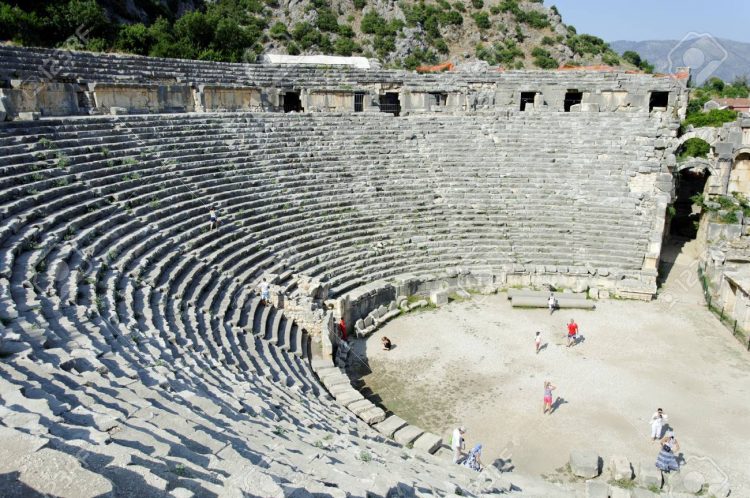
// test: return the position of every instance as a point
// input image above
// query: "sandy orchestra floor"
(473, 363)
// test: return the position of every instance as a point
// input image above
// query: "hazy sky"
(639, 20)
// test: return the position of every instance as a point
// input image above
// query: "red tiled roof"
(733, 102)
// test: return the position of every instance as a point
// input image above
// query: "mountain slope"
(726, 59)
(405, 33)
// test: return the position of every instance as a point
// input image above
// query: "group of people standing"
(666, 461)
(472, 459)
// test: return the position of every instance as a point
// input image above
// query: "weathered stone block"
(620, 468)
(390, 425)
(616, 492)
(648, 475)
(373, 416)
(29, 116)
(407, 434)
(597, 489)
(584, 463)
(428, 442)
(439, 298)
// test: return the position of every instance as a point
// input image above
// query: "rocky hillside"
(407, 33)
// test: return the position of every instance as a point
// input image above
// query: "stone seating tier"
(39, 64)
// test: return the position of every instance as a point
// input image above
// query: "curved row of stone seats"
(208, 431)
(38, 64)
(227, 178)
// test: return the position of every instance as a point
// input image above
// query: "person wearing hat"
(458, 445)
(474, 459)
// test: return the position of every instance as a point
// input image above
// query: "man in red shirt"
(572, 331)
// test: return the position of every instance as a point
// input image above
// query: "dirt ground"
(473, 363)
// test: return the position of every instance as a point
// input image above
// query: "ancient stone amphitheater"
(137, 357)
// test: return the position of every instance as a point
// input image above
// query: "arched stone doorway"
(685, 214)
(739, 177)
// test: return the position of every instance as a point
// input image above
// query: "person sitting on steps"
(386, 343)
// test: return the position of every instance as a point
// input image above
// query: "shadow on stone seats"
(13, 488)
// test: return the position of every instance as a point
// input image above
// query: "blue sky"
(639, 20)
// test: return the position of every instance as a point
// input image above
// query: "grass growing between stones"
(654, 489)
(622, 483)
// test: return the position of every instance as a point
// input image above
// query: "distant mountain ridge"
(707, 56)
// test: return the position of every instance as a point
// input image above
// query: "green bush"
(360, 4)
(485, 54)
(506, 55)
(587, 44)
(694, 147)
(533, 18)
(134, 38)
(345, 46)
(451, 17)
(477, 4)
(543, 59)
(611, 59)
(346, 31)
(482, 20)
(459, 6)
(548, 40)
(292, 48)
(510, 6)
(373, 23)
(419, 57)
(278, 31)
(327, 20)
(713, 118)
(441, 46)
(635, 59)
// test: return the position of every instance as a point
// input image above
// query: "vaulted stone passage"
(686, 214)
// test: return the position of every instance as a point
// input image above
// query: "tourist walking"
(572, 332)
(548, 388)
(265, 292)
(658, 419)
(474, 459)
(458, 444)
(538, 342)
(552, 303)
(667, 461)
(342, 329)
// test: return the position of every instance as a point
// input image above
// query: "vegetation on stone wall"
(723, 208)
(714, 118)
(694, 147)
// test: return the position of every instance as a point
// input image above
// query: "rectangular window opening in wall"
(527, 99)
(389, 102)
(359, 101)
(572, 97)
(292, 102)
(438, 99)
(658, 100)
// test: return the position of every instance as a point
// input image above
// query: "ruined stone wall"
(142, 84)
